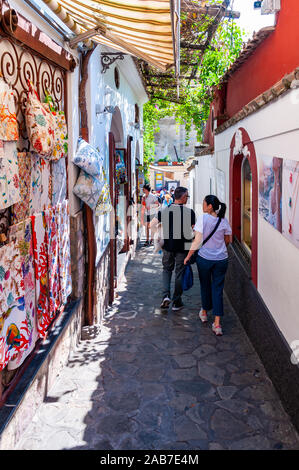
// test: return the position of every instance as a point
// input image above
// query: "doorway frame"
(242, 146)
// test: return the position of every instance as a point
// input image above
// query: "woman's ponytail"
(222, 210)
(219, 207)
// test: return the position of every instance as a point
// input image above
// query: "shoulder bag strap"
(212, 233)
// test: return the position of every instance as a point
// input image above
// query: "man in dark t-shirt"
(177, 223)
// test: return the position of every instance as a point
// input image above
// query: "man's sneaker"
(217, 330)
(177, 305)
(165, 302)
(203, 316)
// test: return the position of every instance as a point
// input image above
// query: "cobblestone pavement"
(153, 380)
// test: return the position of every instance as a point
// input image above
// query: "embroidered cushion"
(88, 158)
(40, 124)
(88, 189)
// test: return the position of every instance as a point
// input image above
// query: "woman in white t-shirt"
(212, 259)
(149, 207)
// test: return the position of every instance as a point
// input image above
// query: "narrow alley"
(154, 380)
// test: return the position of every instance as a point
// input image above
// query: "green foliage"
(198, 94)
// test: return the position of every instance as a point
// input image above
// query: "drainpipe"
(91, 242)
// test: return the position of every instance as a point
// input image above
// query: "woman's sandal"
(217, 330)
(203, 316)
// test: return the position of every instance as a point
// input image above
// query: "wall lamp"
(102, 109)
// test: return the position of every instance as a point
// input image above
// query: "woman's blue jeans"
(211, 276)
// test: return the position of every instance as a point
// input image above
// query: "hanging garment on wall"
(88, 158)
(88, 189)
(53, 263)
(46, 184)
(58, 171)
(5, 221)
(11, 276)
(9, 175)
(60, 131)
(8, 120)
(41, 184)
(61, 138)
(14, 331)
(40, 253)
(104, 205)
(63, 224)
(120, 167)
(21, 234)
(21, 210)
(40, 124)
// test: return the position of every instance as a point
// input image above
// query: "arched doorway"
(246, 206)
(117, 194)
(244, 197)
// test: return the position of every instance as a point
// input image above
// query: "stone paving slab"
(161, 380)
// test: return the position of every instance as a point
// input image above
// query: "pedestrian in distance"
(167, 200)
(149, 207)
(177, 222)
(214, 231)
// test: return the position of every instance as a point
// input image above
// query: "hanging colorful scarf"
(8, 120)
(53, 264)
(9, 175)
(40, 252)
(104, 205)
(21, 234)
(120, 167)
(63, 224)
(5, 221)
(21, 210)
(60, 130)
(58, 170)
(41, 184)
(14, 331)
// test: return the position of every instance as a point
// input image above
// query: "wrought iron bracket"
(108, 58)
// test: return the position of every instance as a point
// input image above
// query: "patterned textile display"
(61, 137)
(88, 189)
(63, 224)
(40, 253)
(60, 132)
(40, 124)
(53, 263)
(88, 158)
(21, 210)
(14, 331)
(21, 234)
(9, 175)
(120, 167)
(41, 184)
(104, 205)
(5, 220)
(58, 170)
(8, 120)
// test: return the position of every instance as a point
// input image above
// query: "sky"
(251, 20)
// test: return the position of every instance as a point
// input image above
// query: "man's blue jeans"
(211, 276)
(173, 260)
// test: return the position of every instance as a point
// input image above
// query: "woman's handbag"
(158, 239)
(187, 279)
(192, 260)
(40, 124)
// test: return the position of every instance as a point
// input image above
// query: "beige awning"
(147, 29)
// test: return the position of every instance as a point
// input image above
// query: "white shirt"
(215, 248)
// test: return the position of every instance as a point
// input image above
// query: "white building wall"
(101, 90)
(274, 131)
